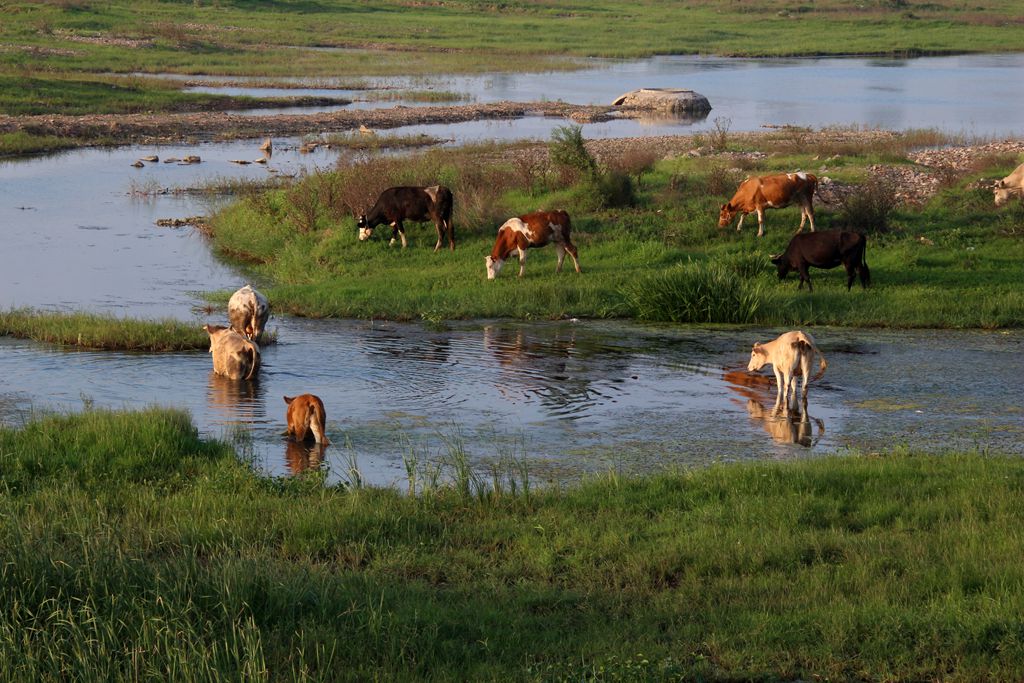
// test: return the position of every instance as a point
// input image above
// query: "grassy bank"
(40, 39)
(135, 549)
(648, 241)
(22, 95)
(106, 332)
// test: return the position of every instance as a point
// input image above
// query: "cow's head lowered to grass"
(363, 229)
(493, 266)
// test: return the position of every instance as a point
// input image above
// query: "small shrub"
(696, 293)
(720, 180)
(568, 150)
(719, 137)
(635, 162)
(869, 207)
(616, 190)
(531, 172)
(303, 202)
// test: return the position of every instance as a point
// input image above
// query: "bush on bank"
(133, 548)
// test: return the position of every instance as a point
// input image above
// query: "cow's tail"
(865, 273)
(254, 352)
(806, 345)
(812, 182)
(318, 422)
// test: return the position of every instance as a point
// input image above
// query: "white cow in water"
(790, 355)
(1010, 186)
(234, 356)
(248, 312)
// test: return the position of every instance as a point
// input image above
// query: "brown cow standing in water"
(530, 231)
(758, 193)
(234, 356)
(306, 415)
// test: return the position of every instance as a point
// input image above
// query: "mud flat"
(136, 128)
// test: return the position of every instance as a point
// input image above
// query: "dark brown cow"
(530, 230)
(825, 250)
(758, 193)
(397, 204)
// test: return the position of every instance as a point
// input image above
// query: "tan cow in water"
(790, 356)
(529, 231)
(1010, 186)
(234, 356)
(757, 193)
(248, 312)
(306, 415)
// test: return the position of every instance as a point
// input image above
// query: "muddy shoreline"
(164, 128)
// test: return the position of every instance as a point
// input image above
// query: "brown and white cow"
(234, 356)
(248, 311)
(1010, 186)
(790, 356)
(529, 231)
(306, 415)
(757, 193)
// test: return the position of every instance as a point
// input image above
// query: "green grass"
(304, 241)
(394, 37)
(25, 95)
(106, 332)
(21, 143)
(135, 549)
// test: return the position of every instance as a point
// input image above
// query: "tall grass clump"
(106, 332)
(697, 292)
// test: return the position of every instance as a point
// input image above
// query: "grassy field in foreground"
(135, 550)
(394, 37)
(648, 241)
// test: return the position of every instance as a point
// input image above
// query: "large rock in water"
(673, 100)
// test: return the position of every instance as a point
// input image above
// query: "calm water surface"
(566, 398)
(973, 94)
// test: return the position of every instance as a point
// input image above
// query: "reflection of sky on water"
(974, 94)
(569, 397)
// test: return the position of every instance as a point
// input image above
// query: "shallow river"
(972, 94)
(78, 233)
(565, 398)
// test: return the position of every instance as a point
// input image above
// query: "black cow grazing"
(825, 250)
(397, 204)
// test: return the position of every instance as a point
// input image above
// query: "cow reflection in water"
(236, 401)
(786, 424)
(301, 456)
